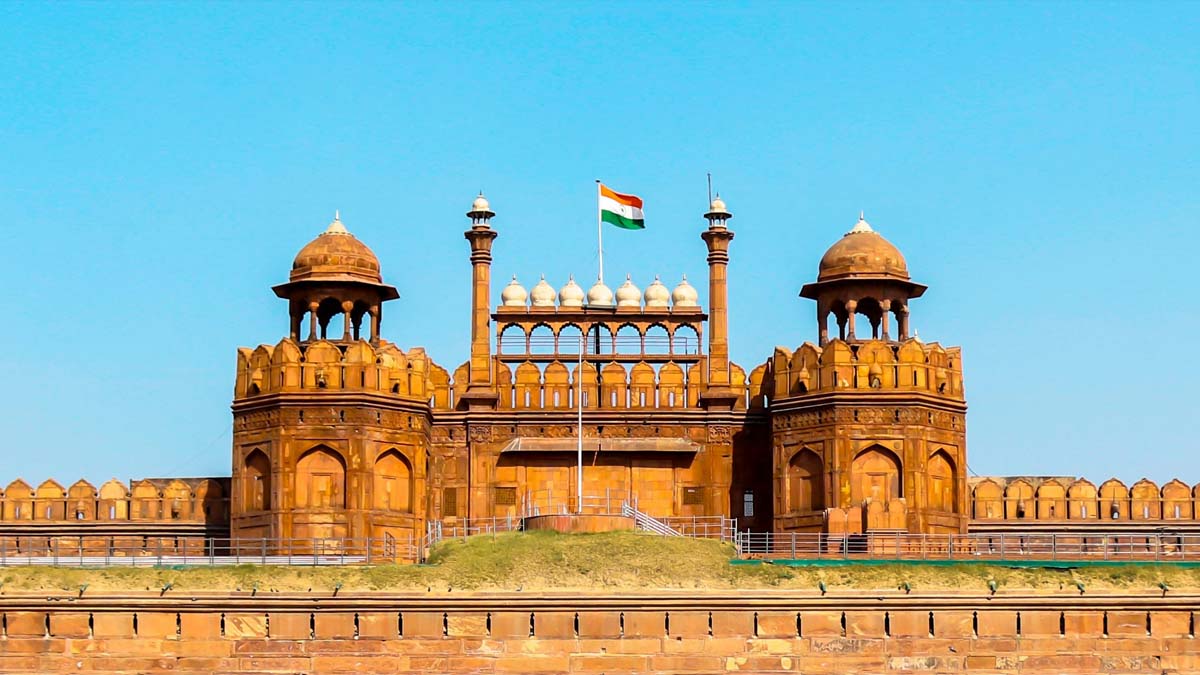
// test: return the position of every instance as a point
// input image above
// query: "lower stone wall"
(421, 638)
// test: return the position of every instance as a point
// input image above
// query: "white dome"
(600, 295)
(542, 294)
(629, 295)
(657, 294)
(480, 203)
(684, 295)
(571, 295)
(514, 294)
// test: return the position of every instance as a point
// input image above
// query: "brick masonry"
(978, 635)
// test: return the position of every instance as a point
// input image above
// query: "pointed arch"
(805, 482)
(1018, 500)
(81, 501)
(1176, 501)
(1081, 501)
(393, 482)
(988, 500)
(256, 481)
(876, 476)
(321, 479)
(1114, 500)
(114, 501)
(1145, 500)
(943, 482)
(1051, 500)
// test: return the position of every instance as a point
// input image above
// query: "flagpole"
(599, 231)
(579, 429)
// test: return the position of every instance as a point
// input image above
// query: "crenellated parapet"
(873, 365)
(1058, 498)
(197, 500)
(640, 385)
(313, 367)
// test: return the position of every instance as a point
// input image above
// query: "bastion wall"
(530, 633)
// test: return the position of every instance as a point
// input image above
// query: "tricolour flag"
(624, 211)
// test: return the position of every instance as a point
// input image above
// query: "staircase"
(645, 522)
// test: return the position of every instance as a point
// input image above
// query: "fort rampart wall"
(560, 633)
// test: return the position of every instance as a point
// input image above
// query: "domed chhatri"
(542, 295)
(685, 295)
(514, 294)
(336, 255)
(571, 295)
(600, 295)
(629, 295)
(862, 253)
(657, 296)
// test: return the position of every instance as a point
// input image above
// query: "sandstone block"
(688, 624)
(290, 625)
(423, 624)
(378, 625)
(554, 625)
(820, 624)
(157, 625)
(70, 624)
(614, 663)
(112, 624)
(199, 625)
(644, 624)
(1040, 623)
(600, 624)
(953, 624)
(1000, 623)
(733, 624)
(333, 625)
(1089, 624)
(242, 626)
(26, 624)
(1127, 623)
(546, 663)
(864, 624)
(467, 624)
(777, 624)
(1171, 624)
(909, 623)
(508, 625)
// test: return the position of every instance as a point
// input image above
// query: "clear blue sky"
(162, 163)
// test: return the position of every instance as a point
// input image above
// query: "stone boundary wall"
(600, 634)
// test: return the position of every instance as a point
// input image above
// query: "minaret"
(480, 391)
(717, 237)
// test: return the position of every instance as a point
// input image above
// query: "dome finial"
(336, 227)
(861, 226)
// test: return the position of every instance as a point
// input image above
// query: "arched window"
(875, 475)
(685, 340)
(806, 490)
(393, 482)
(257, 481)
(942, 485)
(321, 479)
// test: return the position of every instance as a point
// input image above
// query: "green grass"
(612, 561)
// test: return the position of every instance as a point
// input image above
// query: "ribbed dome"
(571, 295)
(542, 295)
(657, 294)
(862, 252)
(629, 295)
(685, 295)
(514, 294)
(336, 255)
(600, 295)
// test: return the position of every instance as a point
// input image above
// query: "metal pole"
(579, 400)
(599, 231)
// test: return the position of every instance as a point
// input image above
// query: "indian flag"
(624, 211)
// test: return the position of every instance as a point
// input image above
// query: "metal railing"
(1155, 547)
(198, 551)
(546, 345)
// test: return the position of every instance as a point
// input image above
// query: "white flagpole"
(599, 231)
(579, 430)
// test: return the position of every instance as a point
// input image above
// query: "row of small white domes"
(599, 295)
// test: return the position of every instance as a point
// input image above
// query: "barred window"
(449, 501)
(506, 496)
(692, 496)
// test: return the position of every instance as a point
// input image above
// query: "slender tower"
(717, 237)
(481, 393)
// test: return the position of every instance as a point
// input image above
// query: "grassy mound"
(612, 561)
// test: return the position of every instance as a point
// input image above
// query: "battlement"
(291, 367)
(641, 385)
(909, 366)
(1063, 498)
(201, 500)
